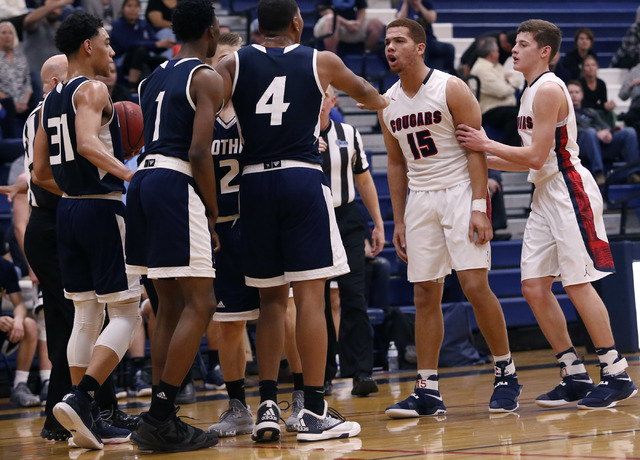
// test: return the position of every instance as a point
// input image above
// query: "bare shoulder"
(206, 75)
(549, 89)
(93, 90)
(549, 98)
(458, 88)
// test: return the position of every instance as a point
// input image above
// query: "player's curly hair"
(74, 30)
(191, 18)
(275, 15)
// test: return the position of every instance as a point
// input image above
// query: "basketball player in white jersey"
(443, 225)
(565, 234)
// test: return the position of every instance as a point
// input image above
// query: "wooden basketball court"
(467, 431)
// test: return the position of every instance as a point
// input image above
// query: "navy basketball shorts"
(288, 225)
(236, 300)
(168, 233)
(91, 246)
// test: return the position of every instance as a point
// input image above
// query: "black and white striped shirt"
(343, 158)
(38, 197)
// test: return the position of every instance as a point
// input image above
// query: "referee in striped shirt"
(345, 164)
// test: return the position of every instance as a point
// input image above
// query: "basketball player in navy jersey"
(237, 302)
(565, 233)
(78, 145)
(172, 211)
(288, 227)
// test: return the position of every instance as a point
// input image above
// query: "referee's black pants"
(355, 341)
(41, 248)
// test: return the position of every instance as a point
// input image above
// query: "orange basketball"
(131, 126)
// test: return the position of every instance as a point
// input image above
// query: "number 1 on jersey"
(272, 101)
(156, 128)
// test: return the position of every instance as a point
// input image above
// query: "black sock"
(89, 386)
(187, 379)
(298, 381)
(214, 360)
(162, 401)
(235, 390)
(137, 364)
(314, 399)
(268, 391)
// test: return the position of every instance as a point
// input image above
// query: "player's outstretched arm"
(549, 103)
(332, 71)
(398, 187)
(207, 91)
(92, 102)
(465, 109)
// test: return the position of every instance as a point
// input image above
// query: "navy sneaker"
(74, 413)
(140, 386)
(267, 427)
(119, 419)
(329, 425)
(422, 402)
(214, 380)
(171, 435)
(610, 390)
(572, 388)
(506, 388)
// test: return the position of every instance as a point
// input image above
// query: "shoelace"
(229, 412)
(335, 414)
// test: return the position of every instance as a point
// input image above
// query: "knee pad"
(124, 318)
(87, 323)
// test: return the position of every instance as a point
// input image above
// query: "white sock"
(506, 358)
(423, 379)
(45, 374)
(21, 377)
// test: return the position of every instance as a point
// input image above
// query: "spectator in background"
(14, 11)
(440, 55)
(628, 55)
(497, 91)
(630, 89)
(598, 142)
(573, 60)
(15, 81)
(17, 333)
(555, 65)
(352, 25)
(595, 92)
(40, 27)
(107, 10)
(159, 16)
(135, 41)
(255, 34)
(506, 41)
(117, 92)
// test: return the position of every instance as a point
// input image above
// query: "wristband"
(479, 205)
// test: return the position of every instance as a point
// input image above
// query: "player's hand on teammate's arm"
(471, 138)
(385, 102)
(480, 231)
(377, 241)
(399, 241)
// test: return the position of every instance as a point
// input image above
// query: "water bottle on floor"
(392, 357)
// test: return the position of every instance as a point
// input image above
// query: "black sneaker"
(74, 413)
(267, 427)
(364, 384)
(171, 435)
(53, 431)
(119, 419)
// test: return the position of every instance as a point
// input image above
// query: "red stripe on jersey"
(600, 251)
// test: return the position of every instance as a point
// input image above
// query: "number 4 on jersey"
(272, 101)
